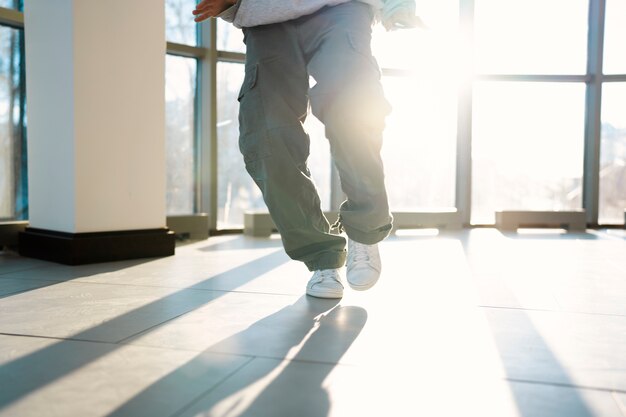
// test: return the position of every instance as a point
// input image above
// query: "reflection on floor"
(473, 323)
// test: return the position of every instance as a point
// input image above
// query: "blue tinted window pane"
(180, 87)
(11, 4)
(13, 184)
(179, 24)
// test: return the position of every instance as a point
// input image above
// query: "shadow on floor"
(55, 361)
(316, 324)
(522, 347)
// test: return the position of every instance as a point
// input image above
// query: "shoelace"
(359, 252)
(325, 274)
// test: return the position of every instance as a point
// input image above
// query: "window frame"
(207, 55)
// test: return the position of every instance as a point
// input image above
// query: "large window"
(13, 182)
(528, 106)
(527, 147)
(180, 99)
(613, 144)
(533, 103)
(181, 75)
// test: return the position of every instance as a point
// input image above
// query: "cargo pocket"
(253, 138)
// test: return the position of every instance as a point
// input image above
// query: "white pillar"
(95, 80)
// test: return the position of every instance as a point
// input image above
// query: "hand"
(403, 19)
(211, 8)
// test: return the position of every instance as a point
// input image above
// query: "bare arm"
(211, 8)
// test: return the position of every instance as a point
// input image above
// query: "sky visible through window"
(615, 37)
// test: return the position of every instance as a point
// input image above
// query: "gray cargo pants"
(333, 46)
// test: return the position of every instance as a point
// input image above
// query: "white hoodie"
(247, 13)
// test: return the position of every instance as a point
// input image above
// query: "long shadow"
(310, 399)
(28, 373)
(522, 349)
(12, 293)
(325, 329)
(81, 271)
(102, 267)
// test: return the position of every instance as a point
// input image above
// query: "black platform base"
(86, 248)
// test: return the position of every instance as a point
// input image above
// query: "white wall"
(106, 114)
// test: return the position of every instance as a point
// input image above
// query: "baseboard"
(86, 248)
(9, 231)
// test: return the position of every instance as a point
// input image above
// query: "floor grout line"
(213, 388)
(587, 313)
(30, 268)
(306, 361)
(66, 339)
(77, 281)
(25, 290)
(60, 339)
(620, 404)
(565, 385)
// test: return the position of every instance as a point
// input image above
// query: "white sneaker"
(364, 265)
(325, 283)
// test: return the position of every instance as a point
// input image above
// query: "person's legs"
(273, 105)
(348, 98)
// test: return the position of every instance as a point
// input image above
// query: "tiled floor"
(473, 323)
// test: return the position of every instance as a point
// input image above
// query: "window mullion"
(464, 121)
(207, 125)
(593, 102)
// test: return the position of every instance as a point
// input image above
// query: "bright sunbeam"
(420, 137)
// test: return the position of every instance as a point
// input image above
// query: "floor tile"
(558, 274)
(96, 312)
(345, 331)
(9, 286)
(12, 262)
(246, 269)
(563, 348)
(242, 323)
(620, 400)
(43, 377)
(473, 322)
(273, 388)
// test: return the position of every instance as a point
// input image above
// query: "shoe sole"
(324, 294)
(362, 287)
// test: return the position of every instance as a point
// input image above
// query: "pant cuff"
(367, 238)
(327, 260)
